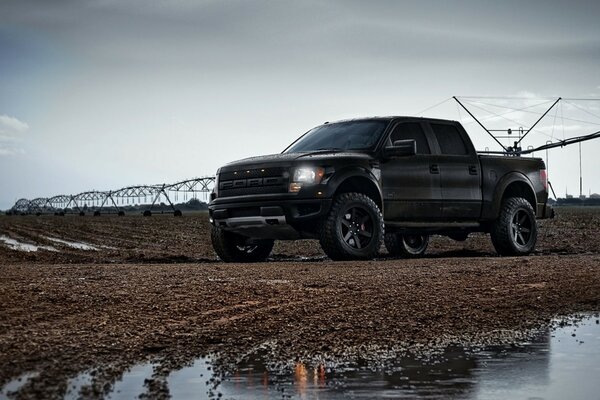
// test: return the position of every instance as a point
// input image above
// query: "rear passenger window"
(411, 130)
(449, 139)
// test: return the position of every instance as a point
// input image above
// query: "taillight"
(544, 178)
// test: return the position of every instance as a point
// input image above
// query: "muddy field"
(101, 294)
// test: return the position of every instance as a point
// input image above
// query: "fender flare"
(341, 176)
(504, 183)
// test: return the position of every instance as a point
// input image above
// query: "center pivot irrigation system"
(148, 196)
(516, 149)
(519, 133)
(116, 201)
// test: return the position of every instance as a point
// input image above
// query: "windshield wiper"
(323, 149)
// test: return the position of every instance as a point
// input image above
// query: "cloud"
(10, 151)
(13, 125)
(528, 95)
(11, 129)
(8, 138)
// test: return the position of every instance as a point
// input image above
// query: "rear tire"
(231, 247)
(514, 232)
(353, 229)
(406, 245)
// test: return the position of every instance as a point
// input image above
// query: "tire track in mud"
(112, 309)
(186, 239)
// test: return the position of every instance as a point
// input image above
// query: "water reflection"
(73, 245)
(22, 246)
(74, 385)
(449, 375)
(131, 384)
(12, 387)
(564, 363)
(192, 382)
(555, 365)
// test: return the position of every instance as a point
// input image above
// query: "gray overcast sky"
(102, 94)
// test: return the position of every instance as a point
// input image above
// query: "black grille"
(253, 181)
(252, 190)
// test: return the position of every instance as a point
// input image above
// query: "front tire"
(406, 245)
(514, 233)
(353, 229)
(231, 247)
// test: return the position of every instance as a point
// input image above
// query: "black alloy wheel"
(415, 244)
(406, 245)
(231, 247)
(514, 232)
(353, 229)
(520, 228)
(356, 226)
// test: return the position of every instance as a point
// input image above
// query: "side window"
(449, 139)
(411, 130)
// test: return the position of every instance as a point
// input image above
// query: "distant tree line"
(575, 201)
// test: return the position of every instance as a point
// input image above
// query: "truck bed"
(496, 168)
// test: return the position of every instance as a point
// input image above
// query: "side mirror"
(401, 148)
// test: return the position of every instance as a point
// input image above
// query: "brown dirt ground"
(156, 291)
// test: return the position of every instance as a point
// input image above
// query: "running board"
(434, 225)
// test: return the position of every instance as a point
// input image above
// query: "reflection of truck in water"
(355, 184)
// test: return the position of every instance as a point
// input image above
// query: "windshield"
(352, 135)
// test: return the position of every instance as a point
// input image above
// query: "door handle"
(472, 170)
(434, 169)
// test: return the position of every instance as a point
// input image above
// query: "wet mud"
(153, 293)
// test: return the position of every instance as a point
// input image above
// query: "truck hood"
(289, 159)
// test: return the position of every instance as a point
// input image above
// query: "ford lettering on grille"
(251, 182)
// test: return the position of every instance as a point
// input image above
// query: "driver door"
(411, 185)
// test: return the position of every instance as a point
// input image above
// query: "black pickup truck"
(357, 183)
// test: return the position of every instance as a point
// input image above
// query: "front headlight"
(215, 191)
(306, 176)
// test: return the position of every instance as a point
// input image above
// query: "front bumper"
(269, 217)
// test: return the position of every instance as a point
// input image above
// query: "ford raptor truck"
(357, 183)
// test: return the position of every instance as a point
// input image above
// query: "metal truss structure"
(516, 150)
(149, 195)
(116, 201)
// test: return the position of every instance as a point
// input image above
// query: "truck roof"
(390, 118)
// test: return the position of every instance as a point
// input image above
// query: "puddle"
(73, 245)
(21, 246)
(16, 384)
(131, 384)
(191, 382)
(555, 365)
(74, 385)
(558, 364)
